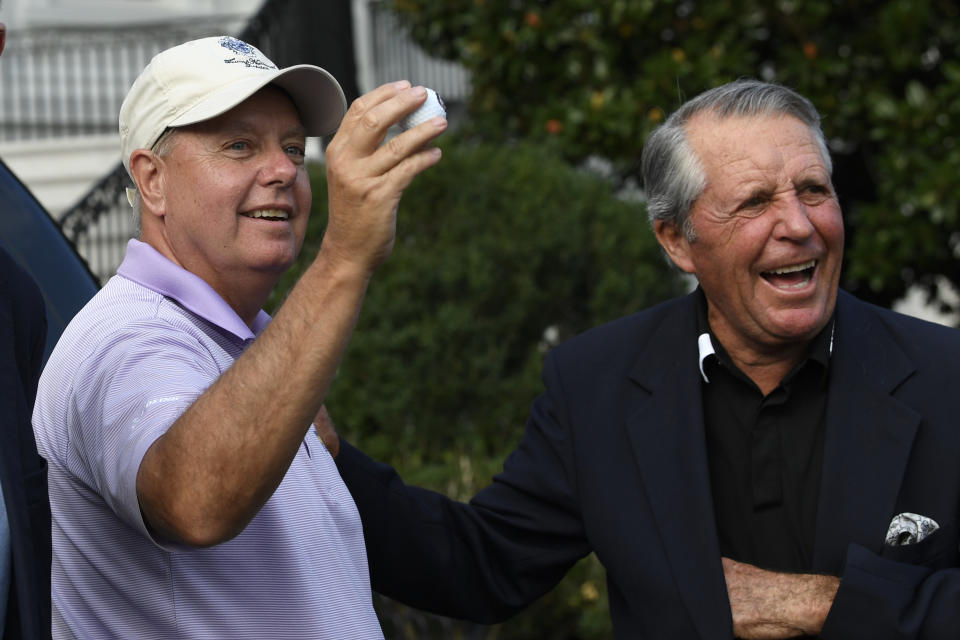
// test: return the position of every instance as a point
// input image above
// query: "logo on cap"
(249, 55)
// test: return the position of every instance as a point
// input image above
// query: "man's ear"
(674, 242)
(146, 169)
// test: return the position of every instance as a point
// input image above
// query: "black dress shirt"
(765, 454)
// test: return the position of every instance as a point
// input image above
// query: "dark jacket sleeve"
(880, 598)
(23, 329)
(483, 561)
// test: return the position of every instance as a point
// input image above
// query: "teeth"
(794, 268)
(268, 213)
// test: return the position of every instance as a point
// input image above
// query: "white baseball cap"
(202, 79)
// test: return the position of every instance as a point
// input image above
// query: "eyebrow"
(245, 126)
(756, 192)
(745, 192)
(806, 181)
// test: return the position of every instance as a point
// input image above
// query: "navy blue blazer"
(614, 461)
(23, 330)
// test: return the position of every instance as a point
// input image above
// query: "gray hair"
(673, 176)
(162, 147)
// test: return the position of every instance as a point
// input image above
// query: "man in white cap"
(191, 496)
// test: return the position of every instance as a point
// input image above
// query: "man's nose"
(278, 168)
(793, 220)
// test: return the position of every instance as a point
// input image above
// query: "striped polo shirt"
(128, 365)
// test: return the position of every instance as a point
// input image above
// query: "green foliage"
(502, 250)
(593, 78)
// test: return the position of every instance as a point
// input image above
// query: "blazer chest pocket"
(939, 550)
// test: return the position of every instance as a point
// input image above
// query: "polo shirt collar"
(149, 268)
(820, 349)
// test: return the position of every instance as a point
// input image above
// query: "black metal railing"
(101, 223)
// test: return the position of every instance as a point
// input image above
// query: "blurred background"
(533, 227)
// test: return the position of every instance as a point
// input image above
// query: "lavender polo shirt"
(128, 365)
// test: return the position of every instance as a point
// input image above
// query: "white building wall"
(60, 172)
(32, 14)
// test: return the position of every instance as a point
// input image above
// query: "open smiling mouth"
(267, 214)
(795, 276)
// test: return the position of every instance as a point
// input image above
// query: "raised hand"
(366, 177)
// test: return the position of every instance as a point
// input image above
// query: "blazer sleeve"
(882, 598)
(23, 329)
(487, 559)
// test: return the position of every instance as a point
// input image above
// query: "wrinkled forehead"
(738, 133)
(771, 141)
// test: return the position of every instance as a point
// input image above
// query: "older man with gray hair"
(191, 495)
(767, 457)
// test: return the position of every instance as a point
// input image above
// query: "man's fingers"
(356, 153)
(366, 179)
(403, 174)
(405, 146)
(371, 99)
(366, 122)
(354, 192)
(384, 175)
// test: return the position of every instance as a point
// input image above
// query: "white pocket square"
(909, 528)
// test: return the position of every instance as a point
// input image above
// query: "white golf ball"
(431, 107)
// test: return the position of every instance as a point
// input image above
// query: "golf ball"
(432, 106)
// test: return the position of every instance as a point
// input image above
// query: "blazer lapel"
(667, 435)
(869, 434)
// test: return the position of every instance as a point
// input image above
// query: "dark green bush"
(501, 252)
